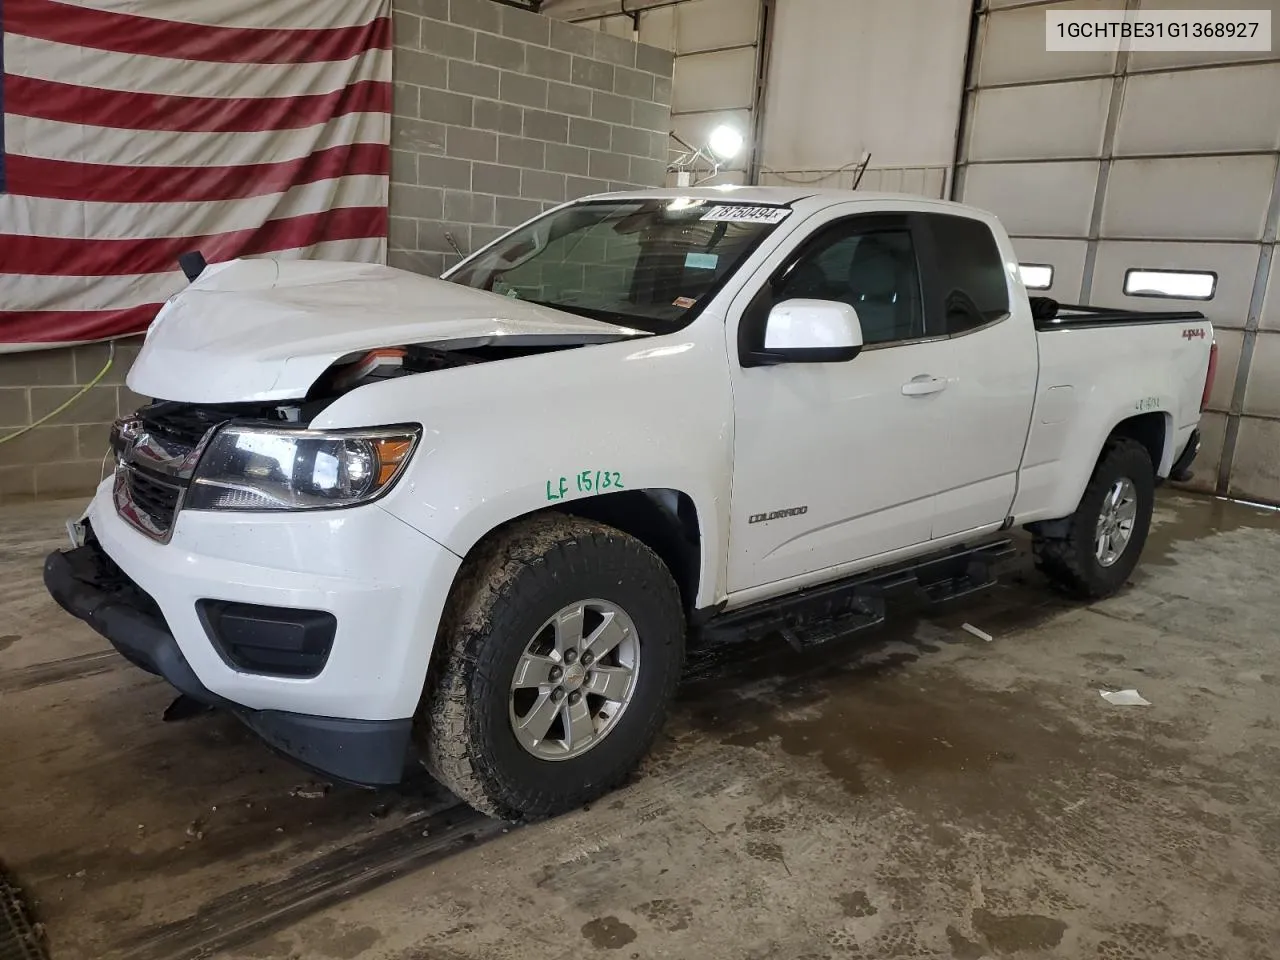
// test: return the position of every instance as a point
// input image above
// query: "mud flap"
(1181, 471)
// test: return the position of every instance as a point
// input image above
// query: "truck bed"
(1108, 366)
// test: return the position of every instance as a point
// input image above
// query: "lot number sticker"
(744, 214)
(587, 481)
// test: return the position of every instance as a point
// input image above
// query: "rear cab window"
(968, 281)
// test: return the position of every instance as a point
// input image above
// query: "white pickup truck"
(370, 510)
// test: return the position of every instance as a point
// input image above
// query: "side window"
(872, 270)
(971, 277)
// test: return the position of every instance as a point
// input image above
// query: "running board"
(832, 611)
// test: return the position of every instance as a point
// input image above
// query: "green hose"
(111, 356)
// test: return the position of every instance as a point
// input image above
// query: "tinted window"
(970, 272)
(874, 271)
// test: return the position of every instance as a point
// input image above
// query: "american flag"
(137, 130)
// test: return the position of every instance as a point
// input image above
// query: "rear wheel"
(554, 667)
(1100, 544)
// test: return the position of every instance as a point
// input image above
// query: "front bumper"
(88, 585)
(381, 583)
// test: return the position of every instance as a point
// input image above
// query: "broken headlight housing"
(258, 468)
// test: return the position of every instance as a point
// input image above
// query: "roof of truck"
(763, 195)
(769, 196)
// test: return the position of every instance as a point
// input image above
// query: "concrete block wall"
(64, 456)
(500, 113)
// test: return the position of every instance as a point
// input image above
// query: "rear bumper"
(87, 584)
(1181, 470)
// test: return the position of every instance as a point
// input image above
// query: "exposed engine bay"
(357, 370)
(187, 422)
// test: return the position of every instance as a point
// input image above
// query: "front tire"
(1102, 541)
(557, 658)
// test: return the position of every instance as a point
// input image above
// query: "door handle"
(923, 385)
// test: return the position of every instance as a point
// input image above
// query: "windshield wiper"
(606, 316)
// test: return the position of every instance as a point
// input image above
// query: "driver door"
(836, 463)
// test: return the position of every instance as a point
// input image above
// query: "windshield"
(649, 264)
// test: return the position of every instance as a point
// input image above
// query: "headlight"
(254, 468)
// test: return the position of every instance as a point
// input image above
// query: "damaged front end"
(275, 330)
(171, 454)
(386, 363)
(158, 448)
(246, 358)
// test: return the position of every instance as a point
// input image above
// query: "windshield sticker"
(744, 214)
(701, 261)
(683, 303)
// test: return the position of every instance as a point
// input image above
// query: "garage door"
(1145, 180)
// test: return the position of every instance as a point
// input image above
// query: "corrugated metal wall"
(881, 76)
(1103, 162)
(844, 77)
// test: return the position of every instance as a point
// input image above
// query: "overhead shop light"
(723, 145)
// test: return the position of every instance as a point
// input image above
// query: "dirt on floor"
(913, 792)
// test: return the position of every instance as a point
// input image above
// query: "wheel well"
(1148, 429)
(664, 520)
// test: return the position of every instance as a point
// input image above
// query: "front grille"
(155, 451)
(184, 423)
(156, 498)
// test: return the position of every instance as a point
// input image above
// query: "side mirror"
(810, 331)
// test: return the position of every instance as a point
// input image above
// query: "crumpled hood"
(266, 329)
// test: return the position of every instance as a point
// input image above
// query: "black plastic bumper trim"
(89, 586)
(271, 641)
(369, 753)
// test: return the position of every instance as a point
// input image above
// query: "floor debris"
(980, 634)
(922, 793)
(1125, 698)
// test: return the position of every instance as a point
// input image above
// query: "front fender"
(507, 438)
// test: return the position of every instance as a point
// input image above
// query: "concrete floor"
(916, 793)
